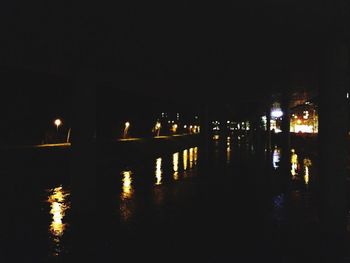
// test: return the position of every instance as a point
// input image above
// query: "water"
(184, 205)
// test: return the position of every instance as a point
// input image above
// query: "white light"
(58, 122)
(303, 128)
(276, 113)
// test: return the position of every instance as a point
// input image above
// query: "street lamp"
(127, 125)
(174, 128)
(58, 123)
(158, 128)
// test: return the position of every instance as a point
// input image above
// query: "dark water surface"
(186, 206)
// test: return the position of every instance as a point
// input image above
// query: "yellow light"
(185, 158)
(294, 162)
(228, 153)
(59, 205)
(174, 127)
(191, 157)
(306, 176)
(127, 185)
(127, 124)
(159, 171)
(176, 165)
(195, 151)
(299, 121)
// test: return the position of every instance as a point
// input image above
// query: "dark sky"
(156, 47)
(148, 55)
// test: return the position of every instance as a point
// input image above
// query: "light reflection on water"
(306, 176)
(126, 206)
(127, 189)
(294, 162)
(228, 150)
(178, 169)
(195, 152)
(159, 171)
(191, 158)
(307, 164)
(59, 205)
(276, 157)
(176, 166)
(296, 167)
(185, 158)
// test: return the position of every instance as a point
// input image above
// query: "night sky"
(151, 53)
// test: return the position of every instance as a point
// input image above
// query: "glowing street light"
(276, 113)
(174, 128)
(127, 125)
(58, 123)
(157, 128)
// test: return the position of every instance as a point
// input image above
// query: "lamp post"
(158, 128)
(58, 123)
(127, 125)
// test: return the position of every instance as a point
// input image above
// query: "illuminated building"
(304, 118)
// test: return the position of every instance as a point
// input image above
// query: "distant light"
(277, 113)
(58, 122)
(127, 124)
(347, 95)
(174, 127)
(228, 122)
(303, 128)
(185, 126)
